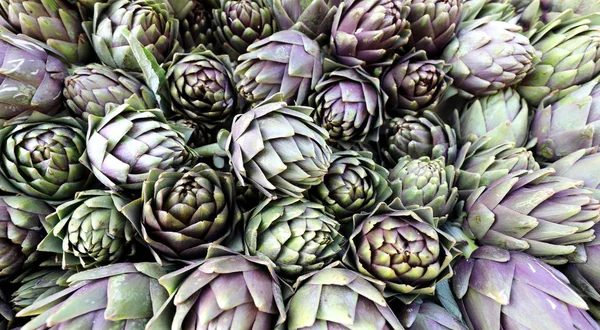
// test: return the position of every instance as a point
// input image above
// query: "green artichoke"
(89, 231)
(38, 285)
(226, 290)
(365, 31)
(182, 212)
(403, 248)
(287, 62)
(487, 56)
(55, 22)
(148, 21)
(433, 24)
(20, 232)
(295, 234)
(425, 183)
(532, 211)
(7, 315)
(349, 105)
(121, 296)
(89, 89)
(338, 298)
(128, 143)
(581, 165)
(497, 10)
(239, 23)
(31, 77)
(40, 157)
(311, 17)
(426, 315)
(196, 29)
(278, 148)
(202, 88)
(353, 184)
(414, 84)
(498, 289)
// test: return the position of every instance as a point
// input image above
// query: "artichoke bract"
(353, 184)
(488, 56)
(581, 165)
(239, 23)
(278, 148)
(89, 231)
(38, 285)
(335, 298)
(202, 88)
(312, 17)
(196, 29)
(20, 232)
(297, 235)
(182, 212)
(403, 248)
(364, 32)
(55, 22)
(426, 315)
(199, 135)
(148, 21)
(532, 211)
(349, 105)
(433, 24)
(414, 84)
(425, 182)
(498, 289)
(40, 157)
(112, 297)
(31, 77)
(426, 135)
(225, 290)
(89, 89)
(288, 62)
(128, 143)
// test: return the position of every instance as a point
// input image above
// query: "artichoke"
(403, 248)
(239, 23)
(581, 165)
(353, 184)
(128, 143)
(312, 17)
(148, 21)
(20, 232)
(425, 183)
(488, 56)
(40, 157)
(338, 298)
(278, 148)
(532, 211)
(365, 31)
(182, 212)
(120, 296)
(414, 84)
(202, 88)
(498, 289)
(433, 24)
(196, 29)
(226, 290)
(38, 285)
(426, 135)
(31, 77)
(89, 231)
(287, 62)
(297, 235)
(425, 315)
(89, 89)
(349, 105)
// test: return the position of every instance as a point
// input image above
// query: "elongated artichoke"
(55, 22)
(148, 21)
(202, 88)
(31, 77)
(117, 297)
(128, 143)
(38, 285)
(226, 290)
(182, 212)
(20, 232)
(335, 298)
(365, 31)
(89, 89)
(581, 165)
(498, 289)
(488, 56)
(287, 62)
(353, 184)
(433, 24)
(196, 29)
(426, 315)
(40, 157)
(278, 148)
(312, 17)
(531, 211)
(402, 248)
(89, 231)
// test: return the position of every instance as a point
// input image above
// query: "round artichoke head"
(37, 285)
(312, 17)
(433, 24)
